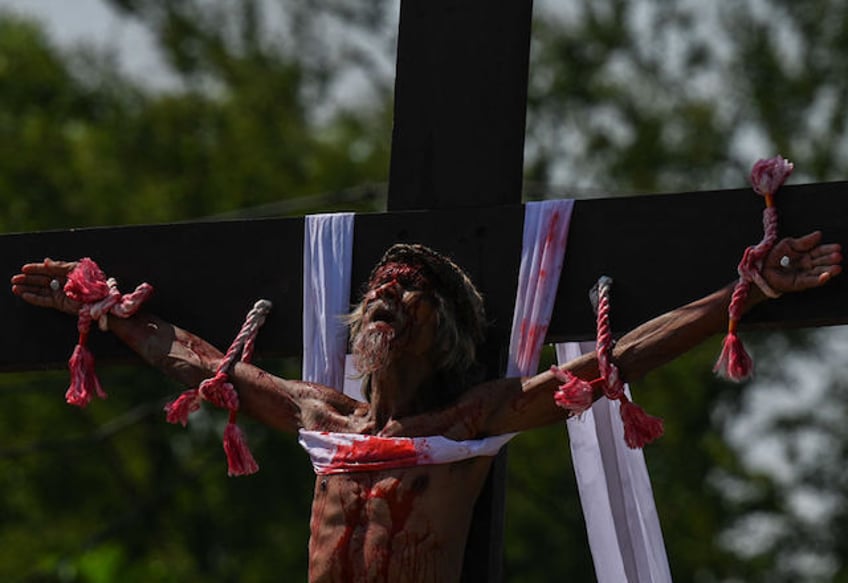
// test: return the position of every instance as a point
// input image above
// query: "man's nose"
(389, 289)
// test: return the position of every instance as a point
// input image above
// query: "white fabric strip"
(618, 503)
(327, 254)
(337, 453)
(542, 253)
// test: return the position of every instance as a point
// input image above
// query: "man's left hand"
(798, 264)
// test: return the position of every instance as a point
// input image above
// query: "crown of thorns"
(449, 281)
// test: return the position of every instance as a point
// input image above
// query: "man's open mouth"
(382, 314)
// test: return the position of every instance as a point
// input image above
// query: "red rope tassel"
(219, 391)
(640, 428)
(99, 297)
(734, 363)
(84, 381)
(240, 461)
(86, 282)
(574, 394)
(767, 176)
(178, 410)
(577, 395)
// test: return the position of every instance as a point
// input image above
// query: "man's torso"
(398, 525)
(407, 524)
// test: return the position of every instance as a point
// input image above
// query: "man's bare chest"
(400, 493)
(389, 522)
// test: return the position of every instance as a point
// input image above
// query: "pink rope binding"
(577, 395)
(221, 393)
(99, 297)
(767, 176)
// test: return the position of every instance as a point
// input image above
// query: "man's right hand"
(33, 285)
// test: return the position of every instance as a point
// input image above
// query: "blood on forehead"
(410, 276)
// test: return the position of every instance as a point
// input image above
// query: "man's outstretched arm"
(529, 402)
(282, 404)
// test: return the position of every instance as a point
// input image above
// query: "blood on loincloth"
(373, 453)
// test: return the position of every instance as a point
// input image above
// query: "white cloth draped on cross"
(615, 491)
(618, 505)
(327, 258)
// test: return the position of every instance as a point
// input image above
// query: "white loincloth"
(340, 453)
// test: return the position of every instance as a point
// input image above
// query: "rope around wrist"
(577, 395)
(99, 297)
(220, 392)
(767, 176)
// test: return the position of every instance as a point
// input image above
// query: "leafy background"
(257, 119)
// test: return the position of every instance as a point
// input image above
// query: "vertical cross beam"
(460, 103)
(458, 141)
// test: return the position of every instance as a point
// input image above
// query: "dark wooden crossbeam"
(661, 250)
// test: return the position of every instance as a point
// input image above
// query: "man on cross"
(414, 336)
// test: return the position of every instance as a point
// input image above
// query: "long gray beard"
(372, 349)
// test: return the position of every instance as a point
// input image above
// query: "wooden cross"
(455, 184)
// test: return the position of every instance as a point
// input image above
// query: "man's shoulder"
(325, 409)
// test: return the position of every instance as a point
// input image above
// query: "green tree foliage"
(625, 96)
(84, 146)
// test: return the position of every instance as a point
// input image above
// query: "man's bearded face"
(386, 318)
